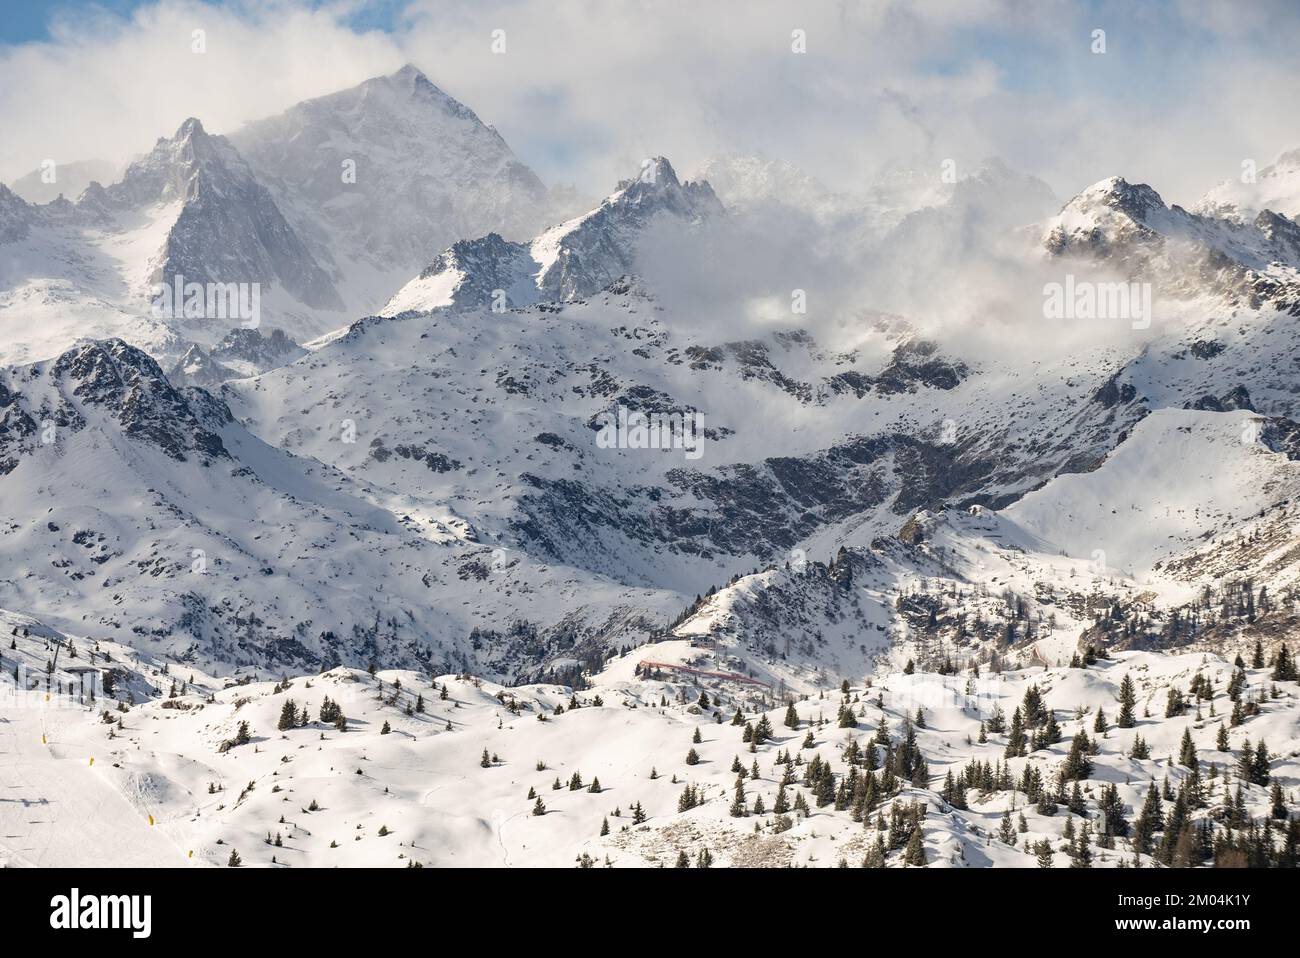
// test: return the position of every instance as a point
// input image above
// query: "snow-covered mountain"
(143, 513)
(573, 260)
(70, 180)
(326, 209)
(381, 176)
(1276, 187)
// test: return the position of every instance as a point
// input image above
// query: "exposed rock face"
(385, 172)
(229, 229)
(15, 216)
(569, 262)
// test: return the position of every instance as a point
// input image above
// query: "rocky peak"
(128, 384)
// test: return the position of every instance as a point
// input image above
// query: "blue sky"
(25, 21)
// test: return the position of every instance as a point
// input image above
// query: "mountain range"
(947, 423)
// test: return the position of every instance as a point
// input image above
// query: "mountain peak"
(191, 127)
(408, 71)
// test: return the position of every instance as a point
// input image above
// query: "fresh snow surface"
(161, 792)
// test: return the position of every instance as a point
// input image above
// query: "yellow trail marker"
(150, 819)
(92, 760)
(47, 696)
(191, 854)
(43, 742)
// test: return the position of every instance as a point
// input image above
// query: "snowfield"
(407, 782)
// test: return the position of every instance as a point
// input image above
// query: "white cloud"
(107, 88)
(587, 88)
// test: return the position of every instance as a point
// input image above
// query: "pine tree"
(693, 757)
(875, 856)
(782, 804)
(1284, 670)
(538, 807)
(1150, 820)
(791, 717)
(1099, 726)
(1127, 700)
(288, 716)
(737, 809)
(1257, 658)
(1043, 850)
(1078, 765)
(1187, 751)
(1221, 740)
(1016, 737)
(914, 855)
(1278, 803)
(682, 860)
(1007, 831)
(234, 861)
(1114, 824)
(1082, 854)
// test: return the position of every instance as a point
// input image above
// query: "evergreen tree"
(1284, 669)
(1078, 765)
(1016, 737)
(1082, 853)
(737, 809)
(1043, 851)
(1007, 831)
(1149, 821)
(288, 716)
(782, 804)
(914, 855)
(1278, 803)
(1127, 700)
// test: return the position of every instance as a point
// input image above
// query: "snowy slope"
(314, 796)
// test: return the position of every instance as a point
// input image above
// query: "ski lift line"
(730, 676)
